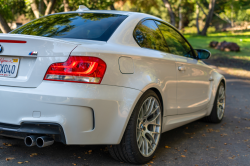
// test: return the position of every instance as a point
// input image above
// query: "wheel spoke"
(218, 112)
(143, 146)
(148, 105)
(150, 109)
(146, 146)
(140, 142)
(154, 118)
(150, 145)
(151, 137)
(221, 104)
(139, 135)
(141, 114)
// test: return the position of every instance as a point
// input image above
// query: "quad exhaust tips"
(41, 142)
(44, 141)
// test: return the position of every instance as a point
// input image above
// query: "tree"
(9, 10)
(170, 11)
(50, 5)
(66, 5)
(34, 8)
(197, 19)
(180, 15)
(3, 25)
(209, 17)
(91, 4)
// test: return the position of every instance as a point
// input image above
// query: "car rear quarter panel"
(152, 69)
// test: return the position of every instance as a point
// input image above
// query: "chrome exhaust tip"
(44, 141)
(30, 140)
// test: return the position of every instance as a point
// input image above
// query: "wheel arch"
(223, 80)
(153, 87)
(217, 82)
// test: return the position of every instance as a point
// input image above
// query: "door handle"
(181, 68)
(211, 78)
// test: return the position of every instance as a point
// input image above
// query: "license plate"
(8, 66)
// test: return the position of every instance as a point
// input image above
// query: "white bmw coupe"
(104, 77)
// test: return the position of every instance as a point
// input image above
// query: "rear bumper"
(87, 113)
(52, 130)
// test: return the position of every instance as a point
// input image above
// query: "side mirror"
(202, 53)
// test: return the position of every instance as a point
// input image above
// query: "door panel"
(160, 71)
(192, 85)
(192, 76)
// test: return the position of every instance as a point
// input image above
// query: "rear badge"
(33, 53)
(1, 48)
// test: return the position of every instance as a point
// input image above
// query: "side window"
(176, 43)
(148, 35)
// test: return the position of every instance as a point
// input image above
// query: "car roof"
(108, 11)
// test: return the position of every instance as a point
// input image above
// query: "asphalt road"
(197, 143)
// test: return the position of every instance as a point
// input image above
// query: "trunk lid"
(35, 55)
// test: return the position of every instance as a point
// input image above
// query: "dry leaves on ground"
(210, 130)
(231, 157)
(33, 154)
(6, 144)
(9, 158)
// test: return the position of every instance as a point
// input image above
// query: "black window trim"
(171, 26)
(138, 24)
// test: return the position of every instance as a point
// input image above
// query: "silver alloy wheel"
(221, 102)
(148, 126)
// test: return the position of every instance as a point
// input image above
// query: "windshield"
(91, 26)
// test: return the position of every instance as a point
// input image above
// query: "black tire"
(213, 117)
(127, 150)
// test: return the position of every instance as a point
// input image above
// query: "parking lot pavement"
(197, 143)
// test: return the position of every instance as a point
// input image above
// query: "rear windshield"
(91, 26)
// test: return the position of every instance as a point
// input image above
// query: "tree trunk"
(112, 7)
(66, 5)
(50, 6)
(3, 25)
(201, 8)
(232, 15)
(41, 7)
(209, 17)
(170, 11)
(197, 20)
(45, 2)
(180, 15)
(34, 8)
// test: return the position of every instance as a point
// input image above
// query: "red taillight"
(77, 69)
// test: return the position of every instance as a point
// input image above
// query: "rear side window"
(176, 43)
(91, 26)
(148, 35)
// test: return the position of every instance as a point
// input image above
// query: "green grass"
(242, 38)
